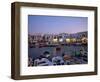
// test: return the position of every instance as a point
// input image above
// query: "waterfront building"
(56, 39)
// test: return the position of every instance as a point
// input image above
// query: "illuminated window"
(67, 40)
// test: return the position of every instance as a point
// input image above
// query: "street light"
(68, 40)
(55, 40)
(84, 40)
(60, 40)
(74, 40)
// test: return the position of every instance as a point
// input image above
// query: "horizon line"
(58, 33)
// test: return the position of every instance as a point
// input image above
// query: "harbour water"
(69, 50)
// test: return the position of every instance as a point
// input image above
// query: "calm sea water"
(70, 50)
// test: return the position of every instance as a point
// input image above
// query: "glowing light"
(55, 40)
(84, 40)
(74, 39)
(68, 40)
(61, 40)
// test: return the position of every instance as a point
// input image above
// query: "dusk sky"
(56, 24)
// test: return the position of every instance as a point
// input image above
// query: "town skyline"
(57, 33)
(56, 24)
